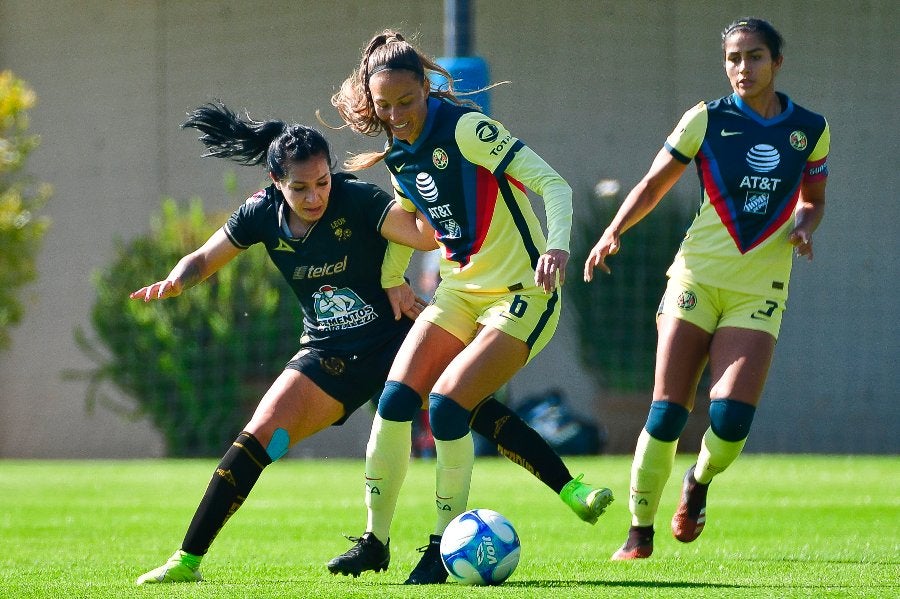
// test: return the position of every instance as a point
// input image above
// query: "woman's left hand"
(551, 269)
(801, 239)
(405, 302)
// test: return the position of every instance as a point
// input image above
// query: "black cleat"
(430, 569)
(639, 544)
(368, 554)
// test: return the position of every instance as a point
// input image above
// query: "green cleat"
(177, 569)
(587, 502)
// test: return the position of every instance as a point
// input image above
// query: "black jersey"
(335, 269)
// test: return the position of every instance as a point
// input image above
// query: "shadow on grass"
(620, 583)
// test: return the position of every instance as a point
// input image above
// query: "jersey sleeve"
(244, 225)
(485, 142)
(537, 175)
(401, 197)
(817, 165)
(685, 141)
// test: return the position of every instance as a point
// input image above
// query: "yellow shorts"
(529, 315)
(711, 307)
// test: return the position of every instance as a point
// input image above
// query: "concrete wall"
(595, 88)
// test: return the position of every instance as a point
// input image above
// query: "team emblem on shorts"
(798, 140)
(332, 365)
(439, 158)
(687, 300)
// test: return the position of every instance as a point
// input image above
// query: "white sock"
(716, 454)
(453, 476)
(387, 460)
(652, 465)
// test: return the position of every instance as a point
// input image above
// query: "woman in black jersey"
(327, 233)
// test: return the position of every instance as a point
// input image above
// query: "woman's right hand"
(607, 246)
(157, 291)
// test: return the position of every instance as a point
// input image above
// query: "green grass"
(778, 526)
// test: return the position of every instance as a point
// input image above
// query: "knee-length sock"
(652, 465)
(453, 476)
(235, 475)
(519, 443)
(387, 461)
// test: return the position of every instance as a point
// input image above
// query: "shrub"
(615, 314)
(21, 229)
(195, 364)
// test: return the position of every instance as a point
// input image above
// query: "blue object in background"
(469, 73)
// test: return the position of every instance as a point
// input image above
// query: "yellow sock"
(387, 461)
(716, 454)
(650, 470)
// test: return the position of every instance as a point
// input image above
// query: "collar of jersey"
(742, 106)
(433, 105)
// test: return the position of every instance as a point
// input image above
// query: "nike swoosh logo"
(400, 167)
(725, 133)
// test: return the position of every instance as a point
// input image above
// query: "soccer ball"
(480, 547)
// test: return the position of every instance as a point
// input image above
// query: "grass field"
(778, 526)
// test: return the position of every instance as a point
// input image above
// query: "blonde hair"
(353, 101)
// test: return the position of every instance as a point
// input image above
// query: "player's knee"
(399, 402)
(730, 419)
(449, 420)
(666, 420)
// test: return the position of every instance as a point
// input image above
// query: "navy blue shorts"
(352, 379)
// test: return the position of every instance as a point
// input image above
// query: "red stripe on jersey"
(718, 201)
(815, 170)
(517, 183)
(486, 191)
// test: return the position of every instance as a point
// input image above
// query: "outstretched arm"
(663, 174)
(192, 269)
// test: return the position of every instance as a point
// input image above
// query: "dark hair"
(226, 135)
(770, 36)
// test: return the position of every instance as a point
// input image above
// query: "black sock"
(519, 443)
(235, 476)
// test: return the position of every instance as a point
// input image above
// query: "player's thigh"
(739, 361)
(297, 405)
(530, 315)
(423, 356)
(485, 365)
(681, 353)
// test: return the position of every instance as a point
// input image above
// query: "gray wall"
(595, 88)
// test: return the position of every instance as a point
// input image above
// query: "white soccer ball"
(480, 547)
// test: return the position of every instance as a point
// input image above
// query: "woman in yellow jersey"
(498, 301)
(761, 160)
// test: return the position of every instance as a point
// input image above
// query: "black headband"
(401, 62)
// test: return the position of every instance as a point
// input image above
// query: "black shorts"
(352, 379)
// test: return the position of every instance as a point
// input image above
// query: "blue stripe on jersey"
(755, 116)
(509, 199)
(542, 321)
(501, 168)
(677, 155)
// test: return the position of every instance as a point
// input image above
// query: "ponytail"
(250, 142)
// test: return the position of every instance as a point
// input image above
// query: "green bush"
(615, 314)
(21, 229)
(197, 364)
